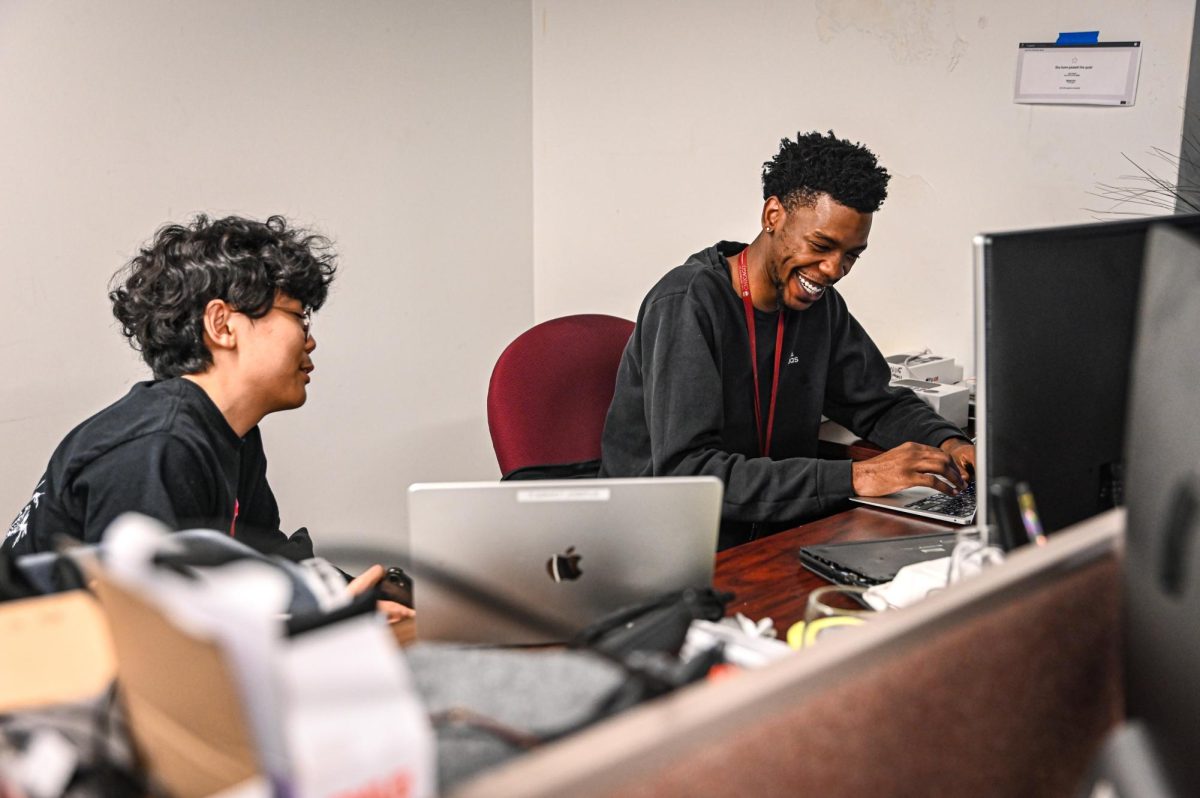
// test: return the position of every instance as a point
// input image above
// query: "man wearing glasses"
(221, 311)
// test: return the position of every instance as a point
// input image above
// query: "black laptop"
(872, 562)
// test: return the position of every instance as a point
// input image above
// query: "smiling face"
(811, 248)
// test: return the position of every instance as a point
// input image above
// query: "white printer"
(934, 379)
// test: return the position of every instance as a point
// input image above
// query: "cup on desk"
(972, 552)
(830, 610)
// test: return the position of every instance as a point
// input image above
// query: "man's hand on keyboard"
(906, 466)
(962, 452)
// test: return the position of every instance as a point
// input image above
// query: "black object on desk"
(1004, 514)
(872, 562)
(396, 586)
(1013, 514)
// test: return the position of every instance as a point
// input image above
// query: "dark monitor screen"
(1162, 556)
(1055, 319)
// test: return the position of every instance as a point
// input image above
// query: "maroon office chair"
(551, 388)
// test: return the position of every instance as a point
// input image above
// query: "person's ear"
(773, 214)
(218, 324)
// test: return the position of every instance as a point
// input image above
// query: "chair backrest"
(551, 388)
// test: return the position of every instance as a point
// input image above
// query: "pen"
(1029, 514)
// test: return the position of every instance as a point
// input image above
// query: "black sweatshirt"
(166, 451)
(684, 401)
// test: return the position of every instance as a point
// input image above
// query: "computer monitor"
(1055, 318)
(1161, 572)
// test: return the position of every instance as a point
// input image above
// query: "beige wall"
(652, 120)
(484, 165)
(401, 129)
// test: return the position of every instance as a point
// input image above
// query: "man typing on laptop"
(738, 353)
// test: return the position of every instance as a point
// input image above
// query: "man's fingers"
(963, 454)
(932, 481)
(965, 466)
(915, 464)
(955, 472)
(936, 462)
(366, 580)
(394, 611)
(957, 469)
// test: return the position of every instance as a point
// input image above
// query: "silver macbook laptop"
(563, 551)
(928, 503)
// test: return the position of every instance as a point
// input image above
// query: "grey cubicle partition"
(1000, 686)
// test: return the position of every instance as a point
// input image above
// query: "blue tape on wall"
(1079, 37)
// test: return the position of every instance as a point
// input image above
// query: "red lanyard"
(764, 443)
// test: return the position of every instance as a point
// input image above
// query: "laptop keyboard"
(960, 506)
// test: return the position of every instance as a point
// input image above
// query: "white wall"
(652, 120)
(400, 129)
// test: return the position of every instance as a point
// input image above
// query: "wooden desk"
(767, 578)
(766, 575)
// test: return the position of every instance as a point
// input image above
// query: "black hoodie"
(684, 401)
(163, 450)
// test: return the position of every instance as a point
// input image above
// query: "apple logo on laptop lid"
(565, 566)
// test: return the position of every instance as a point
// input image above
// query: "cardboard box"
(56, 650)
(185, 714)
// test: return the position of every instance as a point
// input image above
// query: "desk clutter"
(188, 667)
(443, 717)
(218, 687)
(186, 664)
(870, 577)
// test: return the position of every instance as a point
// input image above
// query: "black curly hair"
(814, 164)
(159, 297)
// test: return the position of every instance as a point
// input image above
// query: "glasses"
(305, 318)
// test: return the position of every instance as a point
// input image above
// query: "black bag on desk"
(645, 639)
(658, 625)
